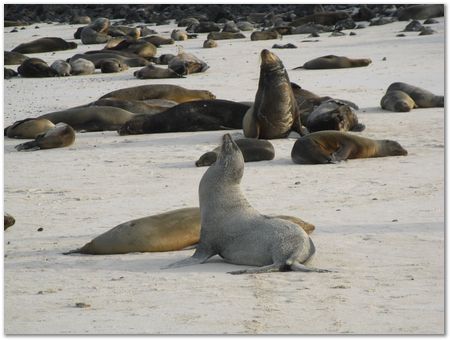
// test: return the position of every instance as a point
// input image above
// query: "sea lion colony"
(279, 107)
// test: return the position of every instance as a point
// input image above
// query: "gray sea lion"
(253, 150)
(164, 59)
(421, 97)
(100, 25)
(35, 68)
(225, 35)
(334, 146)
(209, 43)
(332, 61)
(59, 136)
(265, 35)
(289, 45)
(97, 59)
(9, 73)
(234, 230)
(45, 45)
(28, 128)
(397, 101)
(82, 66)
(112, 65)
(198, 115)
(155, 72)
(274, 113)
(91, 118)
(61, 67)
(158, 40)
(186, 63)
(13, 58)
(178, 35)
(160, 91)
(80, 20)
(134, 106)
(324, 18)
(169, 231)
(9, 221)
(421, 12)
(89, 36)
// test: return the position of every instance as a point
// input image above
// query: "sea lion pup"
(8, 221)
(274, 113)
(234, 230)
(13, 58)
(209, 43)
(158, 40)
(28, 128)
(112, 65)
(97, 58)
(82, 66)
(178, 35)
(35, 68)
(61, 67)
(169, 231)
(9, 73)
(134, 106)
(332, 61)
(160, 91)
(253, 150)
(334, 146)
(397, 101)
(91, 118)
(265, 35)
(45, 45)
(154, 72)
(224, 35)
(186, 63)
(198, 115)
(59, 136)
(421, 97)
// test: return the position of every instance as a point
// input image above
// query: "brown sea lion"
(178, 35)
(209, 43)
(158, 40)
(9, 221)
(274, 113)
(160, 91)
(334, 146)
(9, 73)
(323, 18)
(421, 12)
(164, 59)
(186, 63)
(155, 72)
(89, 36)
(13, 58)
(134, 106)
(28, 128)
(224, 35)
(397, 101)
(139, 48)
(253, 150)
(98, 58)
(169, 231)
(332, 61)
(112, 65)
(45, 45)
(36, 68)
(59, 136)
(421, 97)
(265, 35)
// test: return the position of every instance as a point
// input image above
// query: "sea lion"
(80, 20)
(134, 106)
(186, 63)
(397, 101)
(45, 45)
(253, 150)
(164, 59)
(234, 230)
(100, 25)
(160, 91)
(323, 18)
(289, 45)
(91, 118)
(120, 31)
(59, 136)
(9, 73)
(35, 68)
(198, 115)
(169, 231)
(178, 35)
(421, 97)
(82, 66)
(265, 35)
(209, 43)
(155, 72)
(332, 61)
(140, 48)
(224, 35)
(274, 113)
(334, 146)
(158, 40)
(112, 65)
(8, 221)
(28, 128)
(89, 36)
(97, 58)
(421, 12)
(13, 58)
(61, 67)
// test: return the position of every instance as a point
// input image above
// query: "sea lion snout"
(268, 58)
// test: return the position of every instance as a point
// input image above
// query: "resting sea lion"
(253, 150)
(274, 113)
(164, 59)
(154, 72)
(158, 40)
(13, 58)
(134, 106)
(35, 68)
(139, 48)
(421, 97)
(169, 231)
(332, 61)
(97, 59)
(324, 18)
(209, 43)
(334, 146)
(265, 35)
(178, 35)
(234, 230)
(9, 73)
(28, 128)
(198, 115)
(61, 67)
(397, 101)
(8, 221)
(45, 45)
(59, 136)
(186, 63)
(90, 36)
(224, 35)
(112, 65)
(82, 66)
(421, 12)
(160, 91)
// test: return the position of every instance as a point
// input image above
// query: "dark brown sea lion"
(186, 63)
(253, 150)
(45, 45)
(112, 65)
(421, 12)
(198, 115)
(155, 72)
(89, 36)
(332, 61)
(160, 91)
(36, 68)
(97, 59)
(139, 48)
(178, 35)
(324, 18)
(9, 73)
(28, 128)
(421, 97)
(158, 40)
(9, 221)
(224, 35)
(274, 113)
(209, 43)
(164, 59)
(59, 136)
(334, 146)
(397, 101)
(14, 58)
(265, 35)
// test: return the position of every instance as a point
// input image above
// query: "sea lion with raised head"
(234, 230)
(35, 68)
(28, 128)
(332, 61)
(154, 72)
(421, 97)
(274, 113)
(59, 136)
(45, 45)
(334, 146)
(397, 101)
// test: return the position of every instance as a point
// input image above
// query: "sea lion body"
(134, 106)
(397, 101)
(209, 43)
(61, 135)
(158, 40)
(178, 35)
(154, 72)
(421, 97)
(253, 150)
(28, 128)
(274, 113)
(112, 65)
(82, 66)
(140, 48)
(225, 35)
(13, 58)
(324, 18)
(61, 67)
(186, 63)
(9, 221)
(421, 12)
(332, 61)
(98, 58)
(234, 230)
(334, 146)
(35, 68)
(9, 73)
(45, 45)
(89, 36)
(265, 35)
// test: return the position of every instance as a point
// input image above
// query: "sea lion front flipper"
(199, 257)
(250, 124)
(341, 154)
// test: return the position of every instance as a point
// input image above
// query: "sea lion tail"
(28, 146)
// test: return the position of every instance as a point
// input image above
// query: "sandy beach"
(379, 222)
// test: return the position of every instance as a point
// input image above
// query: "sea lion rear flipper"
(276, 267)
(28, 146)
(298, 267)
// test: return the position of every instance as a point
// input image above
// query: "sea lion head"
(402, 106)
(393, 148)
(230, 159)
(269, 61)
(207, 159)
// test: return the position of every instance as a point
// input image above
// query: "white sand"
(379, 222)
